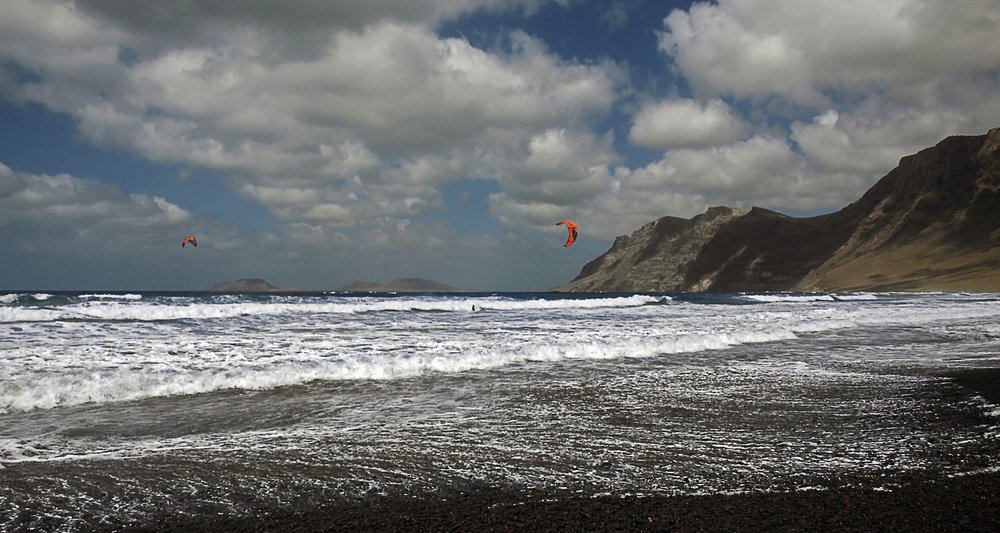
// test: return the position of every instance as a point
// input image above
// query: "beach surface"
(327, 412)
(910, 501)
(914, 502)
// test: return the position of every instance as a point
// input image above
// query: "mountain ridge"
(930, 224)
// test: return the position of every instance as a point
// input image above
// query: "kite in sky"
(572, 231)
(189, 240)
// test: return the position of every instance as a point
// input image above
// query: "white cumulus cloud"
(684, 123)
(67, 200)
(801, 49)
(372, 122)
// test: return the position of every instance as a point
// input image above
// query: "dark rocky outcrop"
(931, 224)
(248, 285)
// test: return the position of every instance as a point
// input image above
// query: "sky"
(313, 144)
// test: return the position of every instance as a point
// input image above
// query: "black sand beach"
(899, 501)
(913, 502)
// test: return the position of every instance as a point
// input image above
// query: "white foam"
(588, 303)
(230, 306)
(8, 298)
(153, 366)
(856, 296)
(784, 298)
(119, 349)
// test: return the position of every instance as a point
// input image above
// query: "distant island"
(249, 285)
(401, 285)
(931, 224)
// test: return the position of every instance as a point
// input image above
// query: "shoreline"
(942, 497)
(897, 501)
(911, 501)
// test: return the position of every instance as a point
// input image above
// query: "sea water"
(117, 406)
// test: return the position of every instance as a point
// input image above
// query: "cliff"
(931, 224)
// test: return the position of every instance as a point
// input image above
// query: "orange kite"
(572, 231)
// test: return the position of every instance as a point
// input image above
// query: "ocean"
(119, 407)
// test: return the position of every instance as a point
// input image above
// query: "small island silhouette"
(399, 285)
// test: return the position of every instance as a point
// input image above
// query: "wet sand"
(912, 502)
(908, 501)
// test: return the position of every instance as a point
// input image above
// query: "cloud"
(856, 143)
(627, 209)
(203, 19)
(801, 50)
(562, 167)
(720, 169)
(834, 94)
(370, 124)
(66, 200)
(63, 227)
(562, 172)
(683, 123)
(69, 233)
(763, 171)
(347, 119)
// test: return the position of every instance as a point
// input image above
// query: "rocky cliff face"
(932, 223)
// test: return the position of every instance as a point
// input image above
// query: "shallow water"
(116, 406)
